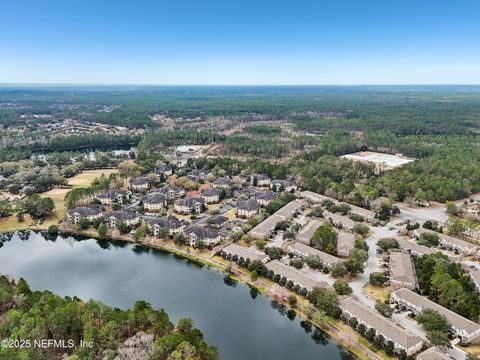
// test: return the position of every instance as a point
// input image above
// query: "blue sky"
(240, 42)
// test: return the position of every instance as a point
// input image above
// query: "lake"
(240, 322)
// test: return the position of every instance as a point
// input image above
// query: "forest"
(27, 315)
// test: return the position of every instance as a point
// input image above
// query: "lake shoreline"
(241, 275)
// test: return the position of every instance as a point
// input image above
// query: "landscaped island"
(42, 325)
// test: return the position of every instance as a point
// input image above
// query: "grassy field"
(377, 292)
(57, 194)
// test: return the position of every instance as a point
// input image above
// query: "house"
(294, 275)
(433, 353)
(164, 171)
(140, 183)
(449, 242)
(211, 195)
(111, 196)
(282, 185)
(402, 271)
(172, 191)
(128, 217)
(222, 183)
(401, 338)
(189, 206)
(233, 250)
(259, 180)
(421, 250)
(197, 175)
(169, 223)
(206, 234)
(218, 221)
(304, 251)
(305, 235)
(89, 213)
(248, 208)
(465, 329)
(345, 243)
(368, 215)
(154, 202)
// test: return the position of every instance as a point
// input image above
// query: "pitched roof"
(295, 275)
(433, 353)
(139, 181)
(122, 215)
(154, 198)
(210, 192)
(306, 233)
(402, 268)
(85, 210)
(111, 194)
(203, 232)
(310, 251)
(289, 210)
(249, 205)
(384, 326)
(235, 249)
(222, 181)
(265, 195)
(457, 321)
(189, 201)
(345, 243)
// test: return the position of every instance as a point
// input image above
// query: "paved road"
(372, 264)
(422, 214)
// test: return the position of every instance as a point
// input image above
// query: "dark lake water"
(240, 322)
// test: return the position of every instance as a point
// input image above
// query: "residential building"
(305, 235)
(164, 171)
(89, 213)
(345, 243)
(218, 221)
(340, 221)
(265, 229)
(449, 242)
(265, 197)
(172, 191)
(421, 250)
(433, 353)
(296, 276)
(465, 329)
(168, 223)
(290, 210)
(140, 183)
(197, 175)
(189, 206)
(475, 275)
(402, 271)
(315, 198)
(222, 183)
(154, 202)
(241, 252)
(206, 234)
(368, 215)
(128, 217)
(248, 208)
(259, 180)
(401, 338)
(304, 251)
(283, 185)
(211, 195)
(111, 196)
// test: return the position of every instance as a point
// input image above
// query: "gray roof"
(450, 239)
(111, 194)
(265, 195)
(86, 210)
(189, 201)
(222, 181)
(340, 219)
(433, 353)
(298, 277)
(402, 268)
(167, 222)
(266, 226)
(139, 181)
(166, 188)
(154, 198)
(219, 220)
(421, 302)
(287, 212)
(259, 176)
(315, 197)
(210, 192)
(122, 215)
(384, 326)
(203, 232)
(345, 243)
(306, 233)
(283, 183)
(163, 169)
(235, 249)
(310, 251)
(249, 205)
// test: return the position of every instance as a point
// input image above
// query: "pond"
(240, 322)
